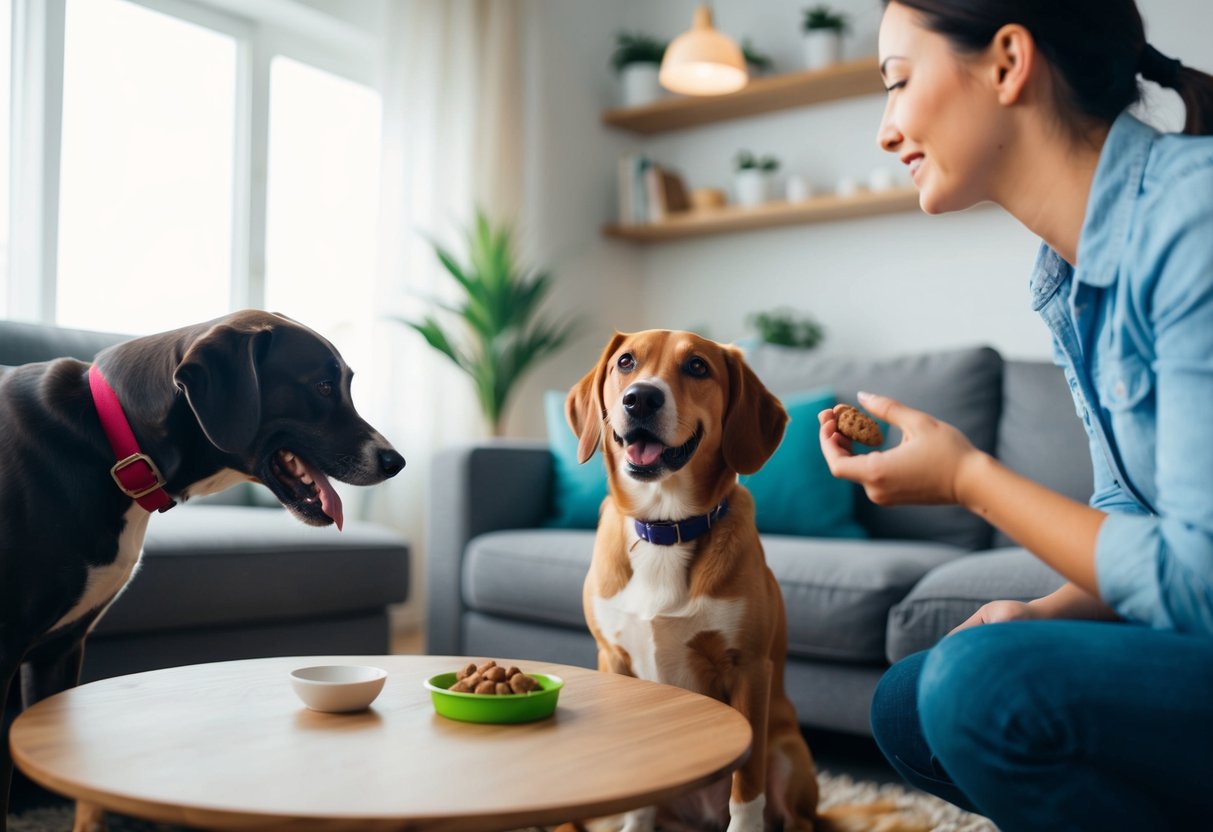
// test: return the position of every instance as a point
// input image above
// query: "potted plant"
(754, 177)
(784, 328)
(757, 63)
(637, 60)
(497, 334)
(823, 31)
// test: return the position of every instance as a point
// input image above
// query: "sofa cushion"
(838, 593)
(212, 565)
(535, 575)
(794, 492)
(1040, 435)
(953, 592)
(26, 343)
(578, 488)
(961, 387)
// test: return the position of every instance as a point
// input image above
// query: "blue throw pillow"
(578, 490)
(795, 493)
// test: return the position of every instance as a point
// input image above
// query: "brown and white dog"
(679, 590)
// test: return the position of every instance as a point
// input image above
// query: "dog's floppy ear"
(754, 419)
(218, 375)
(584, 408)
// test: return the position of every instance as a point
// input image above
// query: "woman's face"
(941, 119)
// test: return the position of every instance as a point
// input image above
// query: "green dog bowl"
(506, 708)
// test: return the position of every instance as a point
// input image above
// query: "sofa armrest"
(476, 489)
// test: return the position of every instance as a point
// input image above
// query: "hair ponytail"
(1194, 87)
(1196, 90)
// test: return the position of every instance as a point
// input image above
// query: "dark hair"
(1097, 48)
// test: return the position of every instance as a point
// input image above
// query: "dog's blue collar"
(668, 532)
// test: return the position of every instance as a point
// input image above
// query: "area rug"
(835, 790)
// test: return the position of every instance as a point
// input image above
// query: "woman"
(1091, 708)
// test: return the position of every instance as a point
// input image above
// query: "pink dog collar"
(134, 472)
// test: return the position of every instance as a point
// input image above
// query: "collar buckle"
(135, 492)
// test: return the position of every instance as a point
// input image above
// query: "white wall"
(902, 282)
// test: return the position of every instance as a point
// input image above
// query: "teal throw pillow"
(578, 490)
(795, 493)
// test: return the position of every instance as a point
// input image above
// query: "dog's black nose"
(391, 462)
(642, 400)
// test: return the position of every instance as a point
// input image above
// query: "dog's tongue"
(644, 452)
(330, 501)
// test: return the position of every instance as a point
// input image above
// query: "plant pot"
(797, 189)
(822, 47)
(753, 186)
(640, 84)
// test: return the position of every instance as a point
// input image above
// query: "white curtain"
(452, 141)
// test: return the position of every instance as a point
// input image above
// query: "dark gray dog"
(250, 396)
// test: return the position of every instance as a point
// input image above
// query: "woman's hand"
(926, 468)
(998, 611)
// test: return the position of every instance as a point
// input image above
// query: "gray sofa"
(233, 575)
(500, 584)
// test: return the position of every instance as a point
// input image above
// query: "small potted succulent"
(754, 178)
(784, 328)
(637, 60)
(823, 31)
(757, 63)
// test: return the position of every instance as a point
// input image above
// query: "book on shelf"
(648, 192)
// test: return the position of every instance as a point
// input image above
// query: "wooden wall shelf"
(762, 95)
(770, 215)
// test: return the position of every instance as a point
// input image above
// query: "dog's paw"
(747, 817)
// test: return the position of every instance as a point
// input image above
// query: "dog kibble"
(491, 679)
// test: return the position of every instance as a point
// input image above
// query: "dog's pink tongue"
(330, 501)
(644, 453)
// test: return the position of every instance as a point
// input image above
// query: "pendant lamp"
(702, 61)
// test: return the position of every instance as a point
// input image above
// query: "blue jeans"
(1057, 725)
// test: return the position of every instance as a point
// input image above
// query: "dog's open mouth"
(305, 488)
(648, 456)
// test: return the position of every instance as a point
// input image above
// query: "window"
(6, 60)
(146, 193)
(322, 200)
(151, 196)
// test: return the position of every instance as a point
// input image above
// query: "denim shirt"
(1132, 328)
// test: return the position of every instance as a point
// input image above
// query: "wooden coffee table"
(229, 746)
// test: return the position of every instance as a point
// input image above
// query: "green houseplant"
(785, 328)
(753, 177)
(497, 334)
(823, 30)
(757, 62)
(637, 60)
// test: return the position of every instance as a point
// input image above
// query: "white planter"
(640, 84)
(822, 47)
(753, 186)
(797, 189)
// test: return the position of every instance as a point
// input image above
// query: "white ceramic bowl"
(338, 688)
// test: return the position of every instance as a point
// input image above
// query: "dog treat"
(491, 679)
(857, 425)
